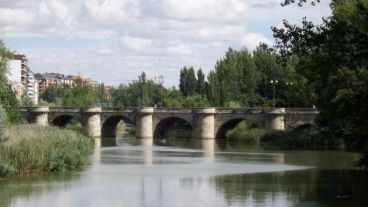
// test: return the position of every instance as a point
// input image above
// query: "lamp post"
(159, 80)
(289, 84)
(274, 82)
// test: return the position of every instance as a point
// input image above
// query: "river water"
(188, 172)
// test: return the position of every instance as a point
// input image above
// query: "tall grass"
(245, 133)
(2, 124)
(32, 148)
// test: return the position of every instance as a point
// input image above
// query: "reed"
(31, 148)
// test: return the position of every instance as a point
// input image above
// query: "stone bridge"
(206, 123)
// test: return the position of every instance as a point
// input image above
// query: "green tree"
(79, 96)
(195, 101)
(26, 101)
(131, 95)
(188, 81)
(7, 96)
(54, 94)
(234, 78)
(174, 98)
(333, 58)
(201, 84)
(65, 95)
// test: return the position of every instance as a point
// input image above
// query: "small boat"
(162, 141)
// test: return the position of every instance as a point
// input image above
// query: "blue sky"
(113, 41)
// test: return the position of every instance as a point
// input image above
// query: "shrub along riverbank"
(33, 149)
(304, 137)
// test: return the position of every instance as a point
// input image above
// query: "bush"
(2, 124)
(245, 133)
(32, 148)
(303, 137)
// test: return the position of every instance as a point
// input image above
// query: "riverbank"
(306, 137)
(35, 149)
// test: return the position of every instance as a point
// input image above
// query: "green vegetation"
(246, 133)
(65, 95)
(7, 96)
(74, 125)
(2, 124)
(303, 137)
(333, 57)
(32, 148)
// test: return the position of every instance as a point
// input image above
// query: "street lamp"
(274, 82)
(159, 80)
(289, 84)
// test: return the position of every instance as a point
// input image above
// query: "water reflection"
(16, 191)
(300, 188)
(190, 172)
(147, 152)
(209, 148)
(108, 141)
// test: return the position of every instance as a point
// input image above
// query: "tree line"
(323, 65)
(240, 79)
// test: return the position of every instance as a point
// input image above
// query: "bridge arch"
(63, 120)
(229, 124)
(170, 123)
(108, 128)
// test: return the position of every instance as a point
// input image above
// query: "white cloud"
(179, 50)
(110, 11)
(252, 40)
(120, 38)
(135, 43)
(15, 17)
(221, 10)
(55, 11)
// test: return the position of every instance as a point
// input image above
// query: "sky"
(113, 41)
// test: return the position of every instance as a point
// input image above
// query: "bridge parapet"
(119, 109)
(67, 109)
(205, 122)
(301, 111)
(249, 110)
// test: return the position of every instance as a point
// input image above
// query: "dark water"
(196, 173)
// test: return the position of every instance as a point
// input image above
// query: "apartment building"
(17, 74)
(46, 79)
(32, 88)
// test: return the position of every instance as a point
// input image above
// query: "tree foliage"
(65, 95)
(188, 81)
(132, 94)
(333, 58)
(234, 78)
(7, 96)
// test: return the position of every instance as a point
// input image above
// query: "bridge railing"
(179, 109)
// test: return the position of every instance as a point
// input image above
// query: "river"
(188, 172)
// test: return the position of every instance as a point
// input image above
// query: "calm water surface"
(195, 173)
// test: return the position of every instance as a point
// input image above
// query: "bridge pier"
(40, 115)
(144, 122)
(204, 127)
(92, 122)
(274, 119)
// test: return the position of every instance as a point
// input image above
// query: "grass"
(32, 149)
(245, 133)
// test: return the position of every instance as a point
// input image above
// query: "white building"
(32, 88)
(17, 74)
(21, 79)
